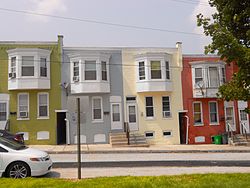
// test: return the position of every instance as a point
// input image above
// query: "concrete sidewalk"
(107, 148)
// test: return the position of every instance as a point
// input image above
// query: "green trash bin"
(217, 139)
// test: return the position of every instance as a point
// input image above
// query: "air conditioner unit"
(12, 75)
(23, 114)
(76, 78)
(166, 114)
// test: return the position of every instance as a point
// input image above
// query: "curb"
(148, 151)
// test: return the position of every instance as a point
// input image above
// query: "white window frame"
(201, 123)
(46, 67)
(96, 70)
(202, 77)
(223, 75)
(149, 117)
(13, 67)
(209, 78)
(141, 69)
(6, 110)
(155, 69)
(34, 66)
(167, 70)
(75, 77)
(18, 111)
(217, 113)
(38, 105)
(163, 112)
(103, 71)
(92, 101)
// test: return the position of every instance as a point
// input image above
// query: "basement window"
(149, 134)
(167, 133)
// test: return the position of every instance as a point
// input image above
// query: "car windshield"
(12, 144)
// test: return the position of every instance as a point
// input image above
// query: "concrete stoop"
(240, 140)
(121, 140)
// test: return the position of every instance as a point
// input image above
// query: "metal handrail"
(127, 131)
(244, 129)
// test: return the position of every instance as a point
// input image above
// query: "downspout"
(67, 132)
(187, 128)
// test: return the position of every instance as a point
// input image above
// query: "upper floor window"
(155, 70)
(23, 105)
(149, 107)
(141, 70)
(167, 70)
(198, 75)
(12, 67)
(90, 70)
(27, 66)
(76, 71)
(223, 75)
(43, 67)
(43, 104)
(104, 71)
(213, 77)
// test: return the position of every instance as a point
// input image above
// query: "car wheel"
(18, 170)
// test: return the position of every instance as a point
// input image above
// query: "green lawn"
(199, 180)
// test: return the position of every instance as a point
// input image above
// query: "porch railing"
(244, 129)
(127, 131)
(230, 130)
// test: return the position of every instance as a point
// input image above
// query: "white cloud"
(46, 7)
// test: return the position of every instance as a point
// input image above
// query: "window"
(197, 113)
(198, 75)
(167, 133)
(167, 70)
(223, 75)
(3, 111)
(13, 68)
(23, 105)
(43, 67)
(116, 112)
(155, 70)
(213, 112)
(132, 114)
(166, 107)
(149, 134)
(141, 70)
(149, 107)
(104, 71)
(27, 65)
(90, 70)
(97, 108)
(76, 71)
(213, 77)
(43, 104)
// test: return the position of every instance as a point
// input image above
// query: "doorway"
(182, 127)
(243, 117)
(61, 128)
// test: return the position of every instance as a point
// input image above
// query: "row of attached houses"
(156, 91)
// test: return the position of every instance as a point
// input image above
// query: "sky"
(168, 15)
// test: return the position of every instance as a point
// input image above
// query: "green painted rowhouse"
(30, 91)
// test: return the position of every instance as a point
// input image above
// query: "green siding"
(33, 125)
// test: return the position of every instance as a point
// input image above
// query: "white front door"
(229, 111)
(243, 116)
(4, 112)
(116, 118)
(132, 116)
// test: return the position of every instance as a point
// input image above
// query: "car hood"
(34, 152)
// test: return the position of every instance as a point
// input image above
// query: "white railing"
(244, 129)
(230, 129)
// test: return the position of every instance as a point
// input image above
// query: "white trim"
(201, 123)
(116, 124)
(28, 110)
(61, 110)
(38, 105)
(92, 101)
(217, 113)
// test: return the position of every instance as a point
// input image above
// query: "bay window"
(90, 70)
(104, 71)
(43, 67)
(155, 70)
(141, 70)
(27, 66)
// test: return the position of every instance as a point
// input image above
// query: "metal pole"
(78, 138)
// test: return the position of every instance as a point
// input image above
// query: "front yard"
(198, 180)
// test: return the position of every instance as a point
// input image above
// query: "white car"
(19, 161)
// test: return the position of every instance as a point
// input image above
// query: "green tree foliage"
(229, 29)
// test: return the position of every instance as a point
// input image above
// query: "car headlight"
(46, 158)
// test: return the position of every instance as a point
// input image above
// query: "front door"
(132, 116)
(61, 128)
(229, 111)
(116, 118)
(243, 116)
(4, 111)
